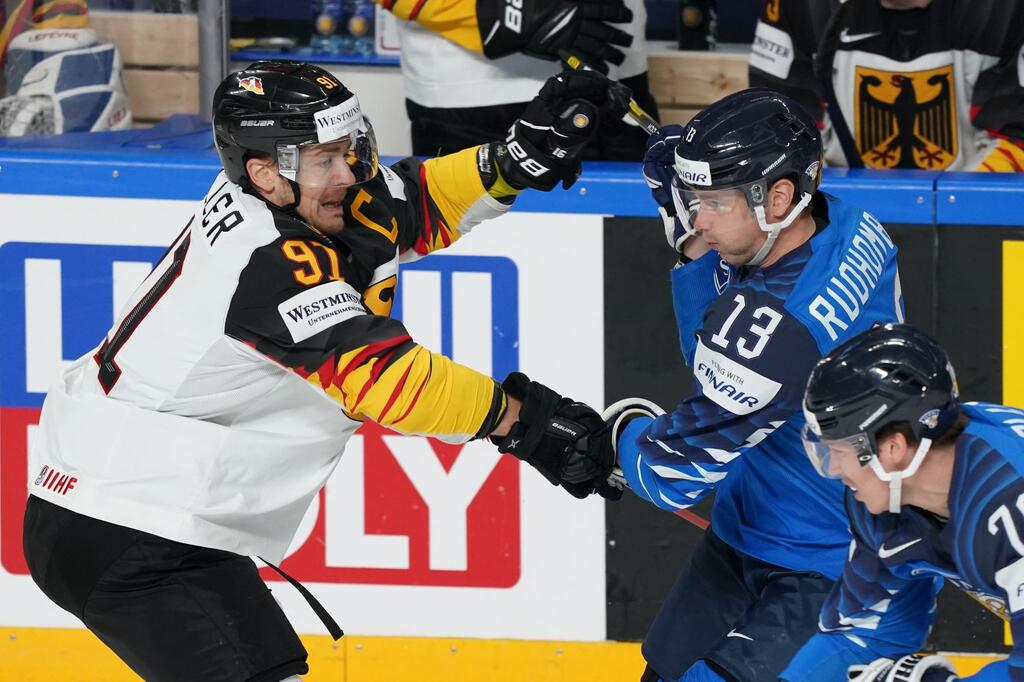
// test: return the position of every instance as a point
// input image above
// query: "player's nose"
(703, 220)
(343, 175)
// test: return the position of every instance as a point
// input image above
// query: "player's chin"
(330, 218)
(734, 259)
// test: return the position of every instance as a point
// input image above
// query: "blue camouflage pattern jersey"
(752, 336)
(886, 596)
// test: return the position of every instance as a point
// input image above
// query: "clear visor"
(832, 457)
(690, 202)
(347, 161)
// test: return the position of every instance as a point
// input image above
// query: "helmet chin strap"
(773, 229)
(895, 478)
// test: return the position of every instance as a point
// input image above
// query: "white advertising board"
(410, 537)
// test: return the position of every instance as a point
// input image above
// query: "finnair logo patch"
(736, 388)
(694, 172)
(319, 308)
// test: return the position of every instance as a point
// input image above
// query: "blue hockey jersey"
(752, 336)
(886, 596)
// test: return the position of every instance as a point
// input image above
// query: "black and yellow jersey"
(934, 88)
(221, 399)
(444, 67)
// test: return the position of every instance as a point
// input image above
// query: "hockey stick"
(639, 407)
(634, 114)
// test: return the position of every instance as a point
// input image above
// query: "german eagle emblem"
(906, 120)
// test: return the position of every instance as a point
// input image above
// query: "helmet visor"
(832, 457)
(691, 201)
(344, 162)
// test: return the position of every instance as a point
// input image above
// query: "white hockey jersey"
(223, 396)
(442, 74)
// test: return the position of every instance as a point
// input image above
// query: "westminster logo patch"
(905, 119)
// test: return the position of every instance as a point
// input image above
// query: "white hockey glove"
(617, 416)
(912, 668)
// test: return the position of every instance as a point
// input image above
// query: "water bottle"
(697, 25)
(359, 24)
(327, 15)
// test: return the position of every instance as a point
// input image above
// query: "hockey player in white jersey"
(198, 431)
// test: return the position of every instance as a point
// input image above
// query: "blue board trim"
(960, 199)
(175, 160)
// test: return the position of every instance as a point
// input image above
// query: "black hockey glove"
(913, 668)
(539, 28)
(566, 441)
(544, 145)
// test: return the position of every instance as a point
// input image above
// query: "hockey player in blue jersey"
(936, 491)
(773, 274)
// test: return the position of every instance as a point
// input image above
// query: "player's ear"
(261, 172)
(895, 451)
(780, 198)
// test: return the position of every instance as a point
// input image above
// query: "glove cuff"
(538, 401)
(490, 173)
(516, 385)
(619, 414)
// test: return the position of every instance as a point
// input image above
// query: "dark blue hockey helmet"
(746, 141)
(891, 374)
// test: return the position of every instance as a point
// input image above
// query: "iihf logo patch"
(56, 481)
(930, 418)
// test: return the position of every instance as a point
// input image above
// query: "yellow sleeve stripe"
(454, 185)
(1005, 157)
(420, 392)
(454, 19)
(423, 392)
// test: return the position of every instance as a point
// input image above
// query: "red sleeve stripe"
(367, 352)
(416, 9)
(1010, 158)
(395, 393)
(326, 372)
(388, 4)
(416, 398)
(378, 369)
(422, 244)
